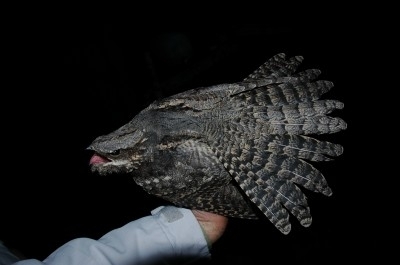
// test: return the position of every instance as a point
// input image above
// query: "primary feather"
(232, 149)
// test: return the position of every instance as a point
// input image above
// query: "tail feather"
(291, 93)
(302, 147)
(273, 121)
(265, 199)
(276, 66)
(290, 168)
(284, 84)
(315, 125)
(317, 107)
(294, 200)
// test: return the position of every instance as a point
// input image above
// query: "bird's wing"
(268, 136)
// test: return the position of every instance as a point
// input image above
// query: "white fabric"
(170, 234)
(6, 257)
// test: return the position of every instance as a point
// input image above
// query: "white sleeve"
(169, 235)
(6, 256)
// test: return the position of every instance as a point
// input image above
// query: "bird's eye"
(115, 152)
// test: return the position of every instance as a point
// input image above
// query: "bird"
(245, 149)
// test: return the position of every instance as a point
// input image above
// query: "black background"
(73, 80)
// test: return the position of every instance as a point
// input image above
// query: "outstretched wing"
(270, 120)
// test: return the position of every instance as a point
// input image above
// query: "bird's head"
(120, 151)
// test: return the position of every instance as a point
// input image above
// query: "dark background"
(75, 80)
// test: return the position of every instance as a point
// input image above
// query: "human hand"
(213, 225)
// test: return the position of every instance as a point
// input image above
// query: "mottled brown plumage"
(231, 148)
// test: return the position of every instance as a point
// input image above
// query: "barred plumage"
(231, 148)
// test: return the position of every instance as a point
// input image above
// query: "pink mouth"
(96, 159)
